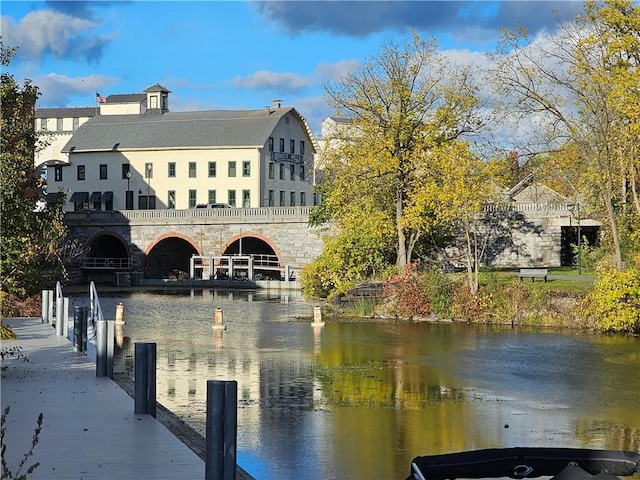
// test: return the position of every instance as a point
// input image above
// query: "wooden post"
(120, 313)
(317, 317)
(218, 319)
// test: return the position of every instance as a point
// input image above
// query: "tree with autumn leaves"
(406, 170)
(32, 235)
(409, 110)
(580, 86)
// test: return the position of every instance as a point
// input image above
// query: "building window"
(192, 198)
(146, 202)
(212, 196)
(232, 168)
(44, 124)
(272, 198)
(292, 172)
(192, 169)
(148, 170)
(292, 146)
(171, 173)
(246, 198)
(212, 169)
(282, 171)
(171, 199)
(303, 198)
(271, 144)
(282, 196)
(58, 173)
(231, 198)
(60, 125)
(292, 198)
(271, 170)
(103, 171)
(126, 171)
(301, 168)
(76, 123)
(81, 172)
(282, 145)
(301, 147)
(246, 169)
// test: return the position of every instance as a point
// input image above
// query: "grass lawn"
(581, 285)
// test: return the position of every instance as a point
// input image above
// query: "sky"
(239, 54)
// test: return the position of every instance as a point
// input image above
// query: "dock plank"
(89, 428)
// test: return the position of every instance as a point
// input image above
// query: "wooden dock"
(89, 430)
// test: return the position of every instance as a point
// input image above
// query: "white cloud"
(336, 71)
(265, 80)
(44, 31)
(56, 89)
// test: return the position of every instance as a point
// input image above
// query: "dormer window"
(154, 102)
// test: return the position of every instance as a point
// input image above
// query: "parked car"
(213, 205)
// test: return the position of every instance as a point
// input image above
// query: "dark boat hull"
(522, 462)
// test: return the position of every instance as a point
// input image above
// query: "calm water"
(360, 400)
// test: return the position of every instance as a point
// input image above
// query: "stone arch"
(259, 236)
(103, 249)
(168, 256)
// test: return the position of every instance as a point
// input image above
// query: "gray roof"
(126, 98)
(66, 112)
(213, 128)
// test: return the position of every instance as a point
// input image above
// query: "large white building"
(133, 153)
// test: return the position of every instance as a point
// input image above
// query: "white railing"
(525, 207)
(95, 310)
(59, 294)
(269, 214)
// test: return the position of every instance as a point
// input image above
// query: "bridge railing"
(266, 214)
(105, 263)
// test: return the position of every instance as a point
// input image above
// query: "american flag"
(100, 98)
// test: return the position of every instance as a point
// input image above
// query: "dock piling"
(145, 378)
(105, 333)
(221, 430)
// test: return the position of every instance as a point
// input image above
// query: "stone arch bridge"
(162, 243)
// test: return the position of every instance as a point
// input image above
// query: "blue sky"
(236, 54)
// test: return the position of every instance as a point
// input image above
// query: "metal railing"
(105, 263)
(95, 310)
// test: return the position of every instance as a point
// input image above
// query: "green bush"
(614, 302)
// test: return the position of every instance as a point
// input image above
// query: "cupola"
(157, 98)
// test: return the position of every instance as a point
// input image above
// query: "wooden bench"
(533, 273)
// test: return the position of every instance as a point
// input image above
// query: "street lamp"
(128, 196)
(576, 206)
(149, 167)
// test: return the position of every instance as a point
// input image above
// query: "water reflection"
(360, 400)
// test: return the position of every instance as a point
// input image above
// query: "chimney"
(276, 103)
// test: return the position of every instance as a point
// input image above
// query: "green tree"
(32, 233)
(576, 86)
(405, 105)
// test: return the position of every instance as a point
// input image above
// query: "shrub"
(615, 301)
(6, 470)
(407, 295)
